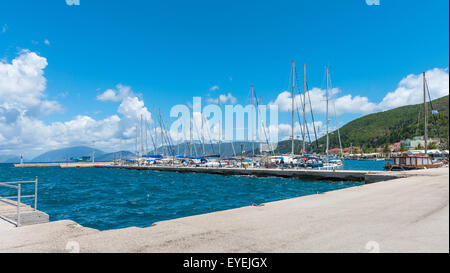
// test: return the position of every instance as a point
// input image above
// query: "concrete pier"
(64, 165)
(403, 215)
(29, 216)
(307, 174)
(36, 165)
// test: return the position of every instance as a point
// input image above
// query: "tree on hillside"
(386, 149)
(402, 147)
(445, 145)
(432, 145)
(375, 130)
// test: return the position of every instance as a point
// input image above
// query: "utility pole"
(293, 98)
(425, 114)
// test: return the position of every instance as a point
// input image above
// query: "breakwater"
(306, 174)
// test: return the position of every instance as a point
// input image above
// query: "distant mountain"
(114, 156)
(9, 159)
(65, 154)
(226, 149)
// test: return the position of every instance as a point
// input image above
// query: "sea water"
(116, 198)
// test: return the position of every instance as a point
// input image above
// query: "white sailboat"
(333, 164)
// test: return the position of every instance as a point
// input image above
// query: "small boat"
(335, 164)
(411, 162)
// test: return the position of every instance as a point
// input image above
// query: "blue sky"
(170, 51)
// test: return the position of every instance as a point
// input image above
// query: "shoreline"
(403, 215)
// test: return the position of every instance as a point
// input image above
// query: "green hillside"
(375, 130)
(379, 129)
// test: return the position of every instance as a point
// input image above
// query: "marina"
(307, 174)
(230, 127)
(145, 194)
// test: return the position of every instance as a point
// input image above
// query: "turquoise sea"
(113, 198)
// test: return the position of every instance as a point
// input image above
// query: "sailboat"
(412, 162)
(332, 164)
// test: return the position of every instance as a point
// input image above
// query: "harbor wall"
(305, 174)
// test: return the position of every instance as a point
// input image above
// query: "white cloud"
(223, 99)
(214, 88)
(22, 85)
(410, 89)
(22, 103)
(343, 104)
(47, 42)
(285, 132)
(121, 93)
(73, 2)
(132, 108)
(4, 28)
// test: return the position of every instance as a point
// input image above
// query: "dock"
(28, 215)
(14, 212)
(64, 165)
(306, 174)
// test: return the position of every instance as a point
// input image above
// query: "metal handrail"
(18, 185)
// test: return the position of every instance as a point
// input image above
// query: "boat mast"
(163, 138)
(136, 143)
(151, 138)
(425, 113)
(143, 138)
(253, 124)
(220, 123)
(146, 136)
(155, 129)
(190, 131)
(202, 137)
(327, 116)
(337, 123)
(293, 98)
(304, 107)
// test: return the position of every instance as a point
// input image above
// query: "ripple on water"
(113, 198)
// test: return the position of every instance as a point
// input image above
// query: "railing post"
(18, 205)
(35, 193)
